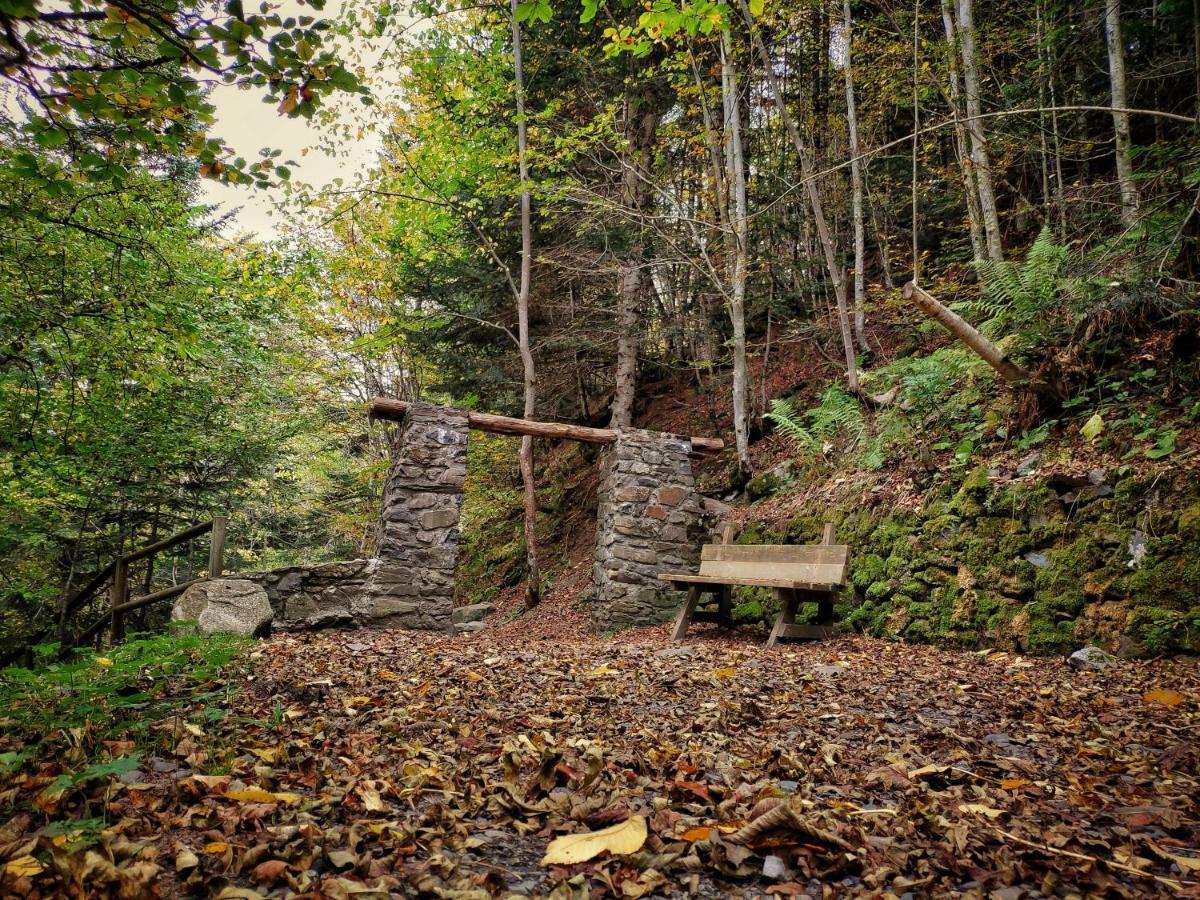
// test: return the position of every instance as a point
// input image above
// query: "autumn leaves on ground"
(384, 763)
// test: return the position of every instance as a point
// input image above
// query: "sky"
(247, 124)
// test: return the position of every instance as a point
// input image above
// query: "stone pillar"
(413, 584)
(648, 523)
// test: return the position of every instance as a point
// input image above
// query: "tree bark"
(533, 584)
(814, 198)
(980, 161)
(736, 179)
(645, 105)
(1116, 72)
(965, 332)
(394, 410)
(961, 145)
(856, 182)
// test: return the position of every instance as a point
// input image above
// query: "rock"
(673, 652)
(468, 627)
(1028, 464)
(830, 671)
(1089, 659)
(789, 786)
(774, 868)
(473, 613)
(225, 606)
(1137, 549)
(1038, 560)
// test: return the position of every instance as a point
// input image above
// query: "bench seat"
(796, 574)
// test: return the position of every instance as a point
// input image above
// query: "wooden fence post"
(216, 549)
(119, 594)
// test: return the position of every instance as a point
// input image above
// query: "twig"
(1083, 857)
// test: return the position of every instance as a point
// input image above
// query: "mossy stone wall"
(1038, 564)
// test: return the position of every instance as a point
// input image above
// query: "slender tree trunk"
(961, 146)
(979, 149)
(856, 182)
(1116, 72)
(814, 198)
(736, 179)
(914, 181)
(533, 590)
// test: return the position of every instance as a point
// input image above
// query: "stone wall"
(648, 523)
(410, 583)
(418, 524)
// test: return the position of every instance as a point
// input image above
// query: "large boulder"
(225, 606)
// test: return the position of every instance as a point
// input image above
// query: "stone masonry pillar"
(418, 524)
(648, 523)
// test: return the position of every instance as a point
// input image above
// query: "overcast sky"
(248, 124)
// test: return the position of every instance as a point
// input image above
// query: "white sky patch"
(247, 124)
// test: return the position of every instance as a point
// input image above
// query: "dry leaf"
(620, 839)
(258, 795)
(1013, 784)
(698, 833)
(185, 859)
(981, 810)
(269, 871)
(23, 867)
(1164, 697)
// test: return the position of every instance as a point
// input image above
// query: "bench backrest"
(822, 564)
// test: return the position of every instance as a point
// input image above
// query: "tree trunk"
(979, 150)
(965, 332)
(1116, 72)
(914, 181)
(533, 584)
(644, 110)
(736, 179)
(814, 199)
(961, 146)
(856, 182)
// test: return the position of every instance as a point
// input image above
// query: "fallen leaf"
(981, 809)
(269, 871)
(1013, 784)
(104, 662)
(216, 847)
(620, 839)
(24, 867)
(698, 833)
(1164, 697)
(258, 795)
(185, 859)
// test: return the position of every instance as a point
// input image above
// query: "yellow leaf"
(932, 769)
(724, 673)
(266, 754)
(981, 810)
(1187, 864)
(360, 700)
(103, 661)
(23, 867)
(216, 847)
(258, 795)
(605, 669)
(1012, 784)
(620, 839)
(699, 833)
(473, 676)
(1164, 697)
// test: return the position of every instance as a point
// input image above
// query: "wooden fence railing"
(118, 573)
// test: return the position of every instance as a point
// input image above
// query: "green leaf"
(756, 7)
(1093, 427)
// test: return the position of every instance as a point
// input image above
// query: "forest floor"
(377, 763)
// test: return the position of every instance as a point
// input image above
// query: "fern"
(1021, 296)
(783, 415)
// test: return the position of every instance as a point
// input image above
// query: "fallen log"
(394, 410)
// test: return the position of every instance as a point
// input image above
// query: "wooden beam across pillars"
(394, 410)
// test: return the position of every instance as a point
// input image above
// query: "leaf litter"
(402, 764)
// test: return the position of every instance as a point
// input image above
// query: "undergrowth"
(73, 707)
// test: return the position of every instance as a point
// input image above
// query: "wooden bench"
(796, 574)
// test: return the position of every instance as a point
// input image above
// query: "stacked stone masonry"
(648, 524)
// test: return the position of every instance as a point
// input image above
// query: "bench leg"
(725, 605)
(685, 613)
(825, 610)
(787, 614)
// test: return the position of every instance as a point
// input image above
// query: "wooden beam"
(167, 543)
(394, 410)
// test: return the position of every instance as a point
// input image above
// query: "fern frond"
(783, 415)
